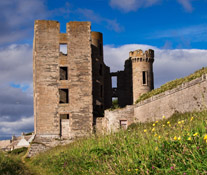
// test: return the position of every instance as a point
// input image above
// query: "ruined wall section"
(80, 76)
(45, 77)
(188, 97)
(107, 88)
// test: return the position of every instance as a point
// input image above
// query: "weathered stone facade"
(72, 89)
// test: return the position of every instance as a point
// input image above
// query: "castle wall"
(188, 97)
(75, 92)
(107, 88)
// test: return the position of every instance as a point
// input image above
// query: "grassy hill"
(171, 146)
(172, 84)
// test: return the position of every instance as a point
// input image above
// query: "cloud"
(186, 5)
(17, 18)
(90, 15)
(168, 65)
(132, 5)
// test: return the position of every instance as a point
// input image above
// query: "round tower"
(142, 72)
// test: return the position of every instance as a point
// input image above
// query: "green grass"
(175, 148)
(172, 84)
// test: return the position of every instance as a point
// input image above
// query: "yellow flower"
(136, 169)
(175, 138)
(153, 124)
(156, 122)
(159, 137)
(191, 118)
(188, 134)
(155, 135)
(182, 121)
(156, 148)
(129, 170)
(179, 138)
(179, 122)
(153, 129)
(195, 134)
(189, 138)
(205, 137)
(169, 125)
(163, 125)
(163, 116)
(145, 130)
(168, 122)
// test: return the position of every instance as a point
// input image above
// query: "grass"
(172, 84)
(172, 146)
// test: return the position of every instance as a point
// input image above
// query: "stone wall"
(188, 97)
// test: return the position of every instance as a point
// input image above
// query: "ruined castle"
(72, 89)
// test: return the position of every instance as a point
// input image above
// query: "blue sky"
(175, 29)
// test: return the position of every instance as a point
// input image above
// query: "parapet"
(139, 55)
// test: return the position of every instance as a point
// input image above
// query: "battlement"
(140, 56)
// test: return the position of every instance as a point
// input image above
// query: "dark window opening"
(63, 49)
(64, 96)
(64, 116)
(123, 124)
(144, 77)
(101, 91)
(63, 73)
(101, 49)
(101, 69)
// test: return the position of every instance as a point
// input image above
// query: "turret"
(142, 72)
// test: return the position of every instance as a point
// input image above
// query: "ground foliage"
(172, 84)
(170, 146)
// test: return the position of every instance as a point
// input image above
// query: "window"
(64, 96)
(144, 77)
(64, 116)
(114, 81)
(63, 73)
(123, 124)
(101, 49)
(101, 91)
(63, 49)
(101, 69)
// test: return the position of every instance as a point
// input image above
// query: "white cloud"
(168, 65)
(132, 5)
(186, 5)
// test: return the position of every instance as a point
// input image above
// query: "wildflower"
(182, 121)
(163, 116)
(184, 173)
(136, 169)
(156, 148)
(153, 129)
(191, 118)
(169, 125)
(179, 138)
(172, 168)
(188, 134)
(163, 125)
(189, 138)
(129, 170)
(153, 167)
(145, 130)
(159, 137)
(155, 135)
(179, 122)
(153, 124)
(156, 122)
(205, 137)
(175, 138)
(168, 122)
(195, 134)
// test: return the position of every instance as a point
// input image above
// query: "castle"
(72, 89)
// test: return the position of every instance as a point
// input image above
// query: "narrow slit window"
(114, 81)
(64, 96)
(63, 73)
(144, 77)
(123, 124)
(101, 91)
(64, 116)
(101, 49)
(101, 69)
(63, 49)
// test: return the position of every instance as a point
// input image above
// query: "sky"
(175, 29)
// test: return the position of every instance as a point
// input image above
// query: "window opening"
(144, 77)
(114, 81)
(63, 73)
(64, 96)
(63, 49)
(101, 69)
(101, 91)
(123, 124)
(101, 49)
(64, 116)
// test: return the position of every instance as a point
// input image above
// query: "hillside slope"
(174, 146)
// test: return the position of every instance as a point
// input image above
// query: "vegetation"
(171, 146)
(115, 104)
(18, 151)
(172, 84)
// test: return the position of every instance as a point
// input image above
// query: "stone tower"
(142, 72)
